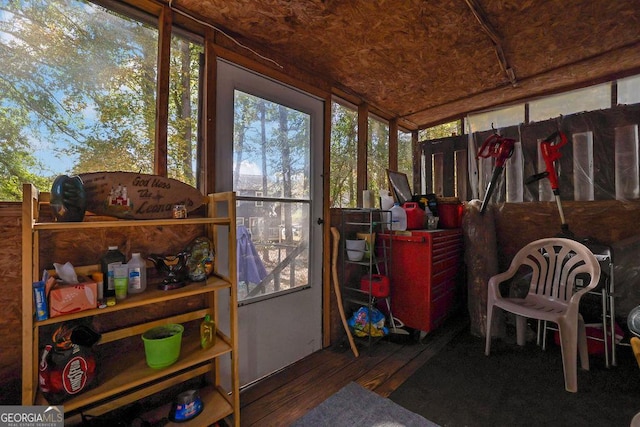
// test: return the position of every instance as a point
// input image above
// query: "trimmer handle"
(550, 149)
(536, 177)
(497, 146)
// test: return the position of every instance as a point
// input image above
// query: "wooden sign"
(131, 195)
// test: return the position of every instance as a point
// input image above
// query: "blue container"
(40, 300)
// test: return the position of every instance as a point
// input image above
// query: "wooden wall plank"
(162, 97)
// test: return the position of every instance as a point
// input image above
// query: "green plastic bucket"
(162, 345)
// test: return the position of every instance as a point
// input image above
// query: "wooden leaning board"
(130, 195)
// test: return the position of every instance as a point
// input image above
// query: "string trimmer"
(550, 150)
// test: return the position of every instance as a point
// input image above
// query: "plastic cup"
(121, 281)
(432, 222)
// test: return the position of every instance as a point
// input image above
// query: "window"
(405, 156)
(441, 131)
(586, 171)
(344, 147)
(182, 145)
(588, 99)
(377, 155)
(84, 100)
(629, 90)
(495, 119)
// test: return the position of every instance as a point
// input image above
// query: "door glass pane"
(271, 179)
(272, 257)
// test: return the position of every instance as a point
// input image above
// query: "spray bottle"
(207, 332)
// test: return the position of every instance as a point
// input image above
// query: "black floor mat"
(519, 386)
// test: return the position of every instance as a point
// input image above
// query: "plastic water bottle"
(112, 258)
(398, 218)
(137, 274)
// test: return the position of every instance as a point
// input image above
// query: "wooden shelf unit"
(128, 379)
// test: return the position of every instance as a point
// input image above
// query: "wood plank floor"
(287, 395)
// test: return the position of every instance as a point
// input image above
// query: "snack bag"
(361, 326)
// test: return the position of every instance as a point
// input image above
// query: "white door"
(269, 151)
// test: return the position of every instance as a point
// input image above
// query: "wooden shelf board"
(215, 407)
(110, 405)
(128, 223)
(148, 297)
(141, 328)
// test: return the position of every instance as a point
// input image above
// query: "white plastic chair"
(554, 264)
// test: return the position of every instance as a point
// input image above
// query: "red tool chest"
(424, 270)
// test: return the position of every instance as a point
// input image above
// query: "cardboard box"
(71, 298)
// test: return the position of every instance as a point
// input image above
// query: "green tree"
(83, 79)
(123, 96)
(405, 157)
(441, 131)
(15, 156)
(378, 156)
(184, 89)
(343, 152)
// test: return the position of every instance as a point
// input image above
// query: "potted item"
(355, 249)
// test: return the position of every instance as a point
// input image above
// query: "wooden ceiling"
(426, 61)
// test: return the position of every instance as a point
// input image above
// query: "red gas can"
(415, 216)
(450, 212)
(378, 286)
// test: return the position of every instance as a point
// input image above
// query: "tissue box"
(65, 298)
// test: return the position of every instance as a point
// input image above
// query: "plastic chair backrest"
(555, 265)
